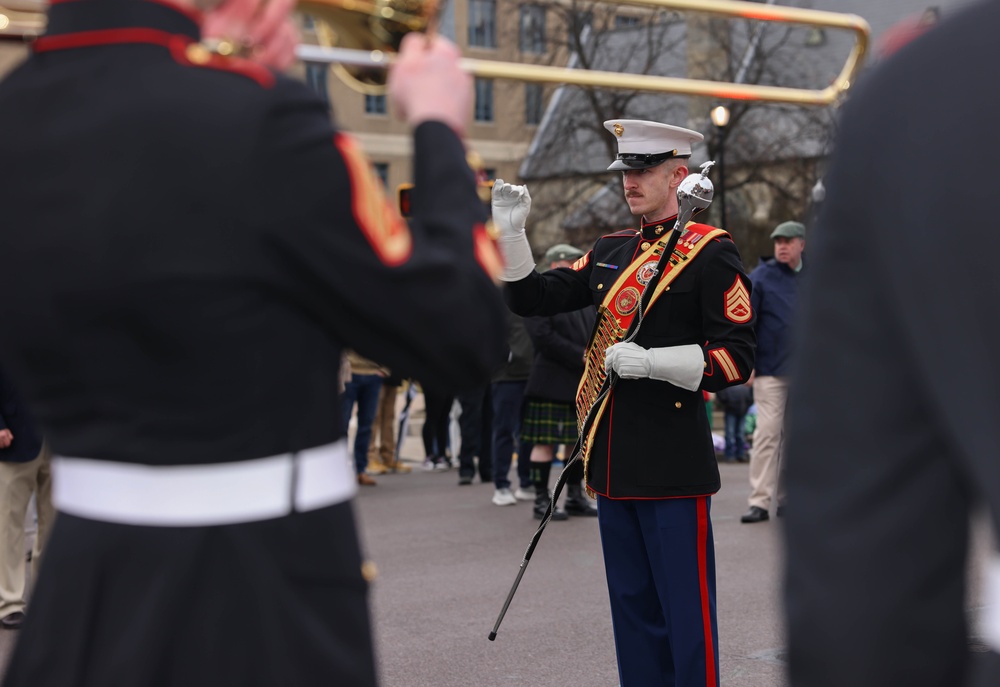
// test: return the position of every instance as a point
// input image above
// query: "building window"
(483, 23)
(532, 33)
(532, 103)
(316, 79)
(484, 100)
(625, 21)
(375, 104)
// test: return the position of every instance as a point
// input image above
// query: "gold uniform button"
(666, 288)
(600, 286)
(659, 229)
(645, 245)
(677, 405)
(198, 54)
(369, 571)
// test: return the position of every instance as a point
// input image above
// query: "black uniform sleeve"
(892, 405)
(415, 298)
(727, 319)
(555, 291)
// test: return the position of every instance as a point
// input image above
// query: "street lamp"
(720, 118)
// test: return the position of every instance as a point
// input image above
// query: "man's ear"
(677, 176)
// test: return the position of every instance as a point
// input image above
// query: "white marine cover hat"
(643, 144)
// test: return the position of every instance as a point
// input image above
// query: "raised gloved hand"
(511, 204)
(682, 366)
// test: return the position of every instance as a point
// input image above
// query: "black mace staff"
(694, 193)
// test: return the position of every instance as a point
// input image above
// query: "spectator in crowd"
(437, 419)
(507, 393)
(382, 456)
(362, 389)
(775, 285)
(24, 471)
(549, 421)
(476, 428)
(736, 402)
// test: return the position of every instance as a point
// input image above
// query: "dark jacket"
(193, 244)
(735, 400)
(15, 416)
(560, 342)
(898, 342)
(775, 286)
(519, 352)
(654, 441)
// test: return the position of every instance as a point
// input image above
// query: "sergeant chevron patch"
(737, 299)
(725, 361)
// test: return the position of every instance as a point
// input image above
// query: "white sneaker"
(428, 465)
(503, 497)
(525, 494)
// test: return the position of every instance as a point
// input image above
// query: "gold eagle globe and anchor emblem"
(627, 300)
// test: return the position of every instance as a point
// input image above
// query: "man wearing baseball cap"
(775, 285)
(648, 452)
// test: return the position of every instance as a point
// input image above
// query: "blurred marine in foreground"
(899, 344)
(193, 244)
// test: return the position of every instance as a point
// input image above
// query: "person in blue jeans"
(508, 400)
(363, 389)
(735, 402)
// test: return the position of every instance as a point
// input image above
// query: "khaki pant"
(382, 447)
(18, 481)
(769, 393)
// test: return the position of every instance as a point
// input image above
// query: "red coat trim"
(87, 39)
(706, 613)
(181, 47)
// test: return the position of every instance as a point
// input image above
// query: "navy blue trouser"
(660, 561)
(508, 401)
(363, 390)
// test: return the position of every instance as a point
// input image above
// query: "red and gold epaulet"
(197, 55)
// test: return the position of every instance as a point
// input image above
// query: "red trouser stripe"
(706, 615)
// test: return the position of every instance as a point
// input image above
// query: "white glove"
(682, 366)
(511, 205)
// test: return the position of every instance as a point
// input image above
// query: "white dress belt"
(989, 621)
(203, 495)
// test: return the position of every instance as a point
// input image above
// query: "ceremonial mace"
(694, 194)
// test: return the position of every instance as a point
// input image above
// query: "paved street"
(447, 558)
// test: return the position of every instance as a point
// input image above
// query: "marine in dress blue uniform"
(650, 458)
(193, 245)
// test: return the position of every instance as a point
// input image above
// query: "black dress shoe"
(755, 514)
(464, 479)
(12, 621)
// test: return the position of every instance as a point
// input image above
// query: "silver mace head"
(696, 191)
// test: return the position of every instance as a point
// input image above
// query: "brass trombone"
(360, 38)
